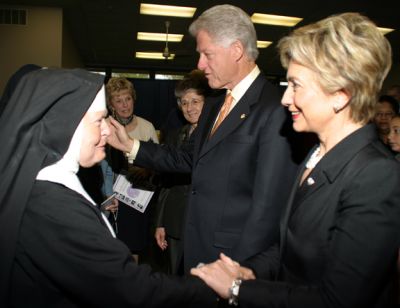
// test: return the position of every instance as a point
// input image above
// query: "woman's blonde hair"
(348, 53)
(116, 84)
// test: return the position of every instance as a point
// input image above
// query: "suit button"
(193, 192)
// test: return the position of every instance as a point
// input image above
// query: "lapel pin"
(310, 181)
(242, 116)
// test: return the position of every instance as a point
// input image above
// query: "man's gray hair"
(226, 24)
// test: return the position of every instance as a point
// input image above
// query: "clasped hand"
(220, 274)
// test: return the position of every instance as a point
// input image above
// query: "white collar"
(240, 89)
(64, 171)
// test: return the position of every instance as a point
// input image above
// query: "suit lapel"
(311, 184)
(296, 193)
(326, 171)
(234, 119)
(288, 210)
(237, 115)
(211, 116)
(332, 164)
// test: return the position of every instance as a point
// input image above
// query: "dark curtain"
(156, 102)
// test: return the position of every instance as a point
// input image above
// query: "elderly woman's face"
(191, 104)
(122, 102)
(95, 133)
(394, 134)
(311, 108)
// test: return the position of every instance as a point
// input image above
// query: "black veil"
(13, 82)
(37, 124)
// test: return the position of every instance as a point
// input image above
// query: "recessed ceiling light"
(153, 55)
(167, 10)
(275, 20)
(263, 44)
(385, 31)
(149, 36)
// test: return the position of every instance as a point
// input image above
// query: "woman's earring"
(336, 108)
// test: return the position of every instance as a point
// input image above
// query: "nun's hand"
(220, 274)
(119, 138)
(217, 276)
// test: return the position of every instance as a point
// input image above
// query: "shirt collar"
(240, 89)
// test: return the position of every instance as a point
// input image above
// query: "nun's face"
(95, 133)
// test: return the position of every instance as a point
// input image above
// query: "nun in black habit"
(57, 249)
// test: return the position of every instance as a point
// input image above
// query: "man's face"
(217, 62)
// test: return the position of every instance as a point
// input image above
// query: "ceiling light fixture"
(167, 10)
(162, 37)
(275, 20)
(153, 55)
(263, 44)
(385, 31)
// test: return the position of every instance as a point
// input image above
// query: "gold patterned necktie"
(223, 112)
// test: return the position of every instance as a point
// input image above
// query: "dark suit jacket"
(175, 188)
(339, 233)
(241, 176)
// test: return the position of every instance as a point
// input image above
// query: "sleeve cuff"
(135, 149)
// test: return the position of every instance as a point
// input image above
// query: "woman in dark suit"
(340, 229)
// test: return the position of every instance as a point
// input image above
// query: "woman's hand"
(118, 137)
(160, 238)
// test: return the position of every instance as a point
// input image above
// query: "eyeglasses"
(185, 103)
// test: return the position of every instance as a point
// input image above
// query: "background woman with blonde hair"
(132, 226)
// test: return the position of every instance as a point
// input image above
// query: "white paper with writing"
(134, 197)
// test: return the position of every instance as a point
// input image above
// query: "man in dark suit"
(242, 170)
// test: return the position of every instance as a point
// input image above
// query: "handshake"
(223, 276)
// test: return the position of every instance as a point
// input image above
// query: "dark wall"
(156, 102)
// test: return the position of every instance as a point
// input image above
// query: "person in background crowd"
(340, 230)
(190, 93)
(386, 109)
(394, 91)
(394, 143)
(241, 160)
(58, 250)
(132, 226)
(394, 135)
